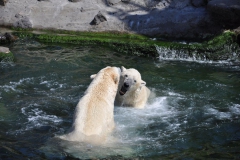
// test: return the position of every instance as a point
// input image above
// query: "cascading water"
(183, 55)
(194, 114)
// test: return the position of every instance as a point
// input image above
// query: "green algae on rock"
(221, 47)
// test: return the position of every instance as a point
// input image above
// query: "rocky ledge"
(186, 19)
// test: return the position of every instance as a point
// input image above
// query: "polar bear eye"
(126, 75)
(135, 81)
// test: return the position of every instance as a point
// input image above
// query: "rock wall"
(166, 18)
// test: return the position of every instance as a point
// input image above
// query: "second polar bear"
(93, 118)
(132, 90)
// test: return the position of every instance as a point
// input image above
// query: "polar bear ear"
(115, 79)
(93, 76)
(143, 83)
(123, 69)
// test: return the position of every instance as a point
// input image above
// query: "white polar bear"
(93, 118)
(132, 91)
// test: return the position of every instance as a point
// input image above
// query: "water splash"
(37, 118)
(132, 133)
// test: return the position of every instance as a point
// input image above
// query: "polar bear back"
(94, 113)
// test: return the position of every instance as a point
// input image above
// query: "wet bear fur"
(93, 118)
(132, 90)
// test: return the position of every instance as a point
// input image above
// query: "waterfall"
(194, 56)
(172, 54)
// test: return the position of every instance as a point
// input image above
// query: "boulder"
(3, 2)
(179, 4)
(4, 50)
(237, 32)
(225, 12)
(5, 54)
(199, 3)
(112, 2)
(98, 19)
(7, 37)
(22, 21)
(157, 18)
(75, 0)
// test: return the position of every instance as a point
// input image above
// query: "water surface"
(195, 113)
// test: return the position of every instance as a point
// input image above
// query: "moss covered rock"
(220, 47)
(5, 54)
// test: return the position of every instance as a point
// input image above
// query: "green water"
(195, 114)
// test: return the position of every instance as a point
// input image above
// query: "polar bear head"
(113, 72)
(130, 81)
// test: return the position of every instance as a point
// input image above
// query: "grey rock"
(173, 18)
(22, 21)
(237, 32)
(98, 19)
(3, 38)
(4, 50)
(199, 3)
(3, 2)
(7, 37)
(225, 12)
(179, 4)
(112, 2)
(75, 0)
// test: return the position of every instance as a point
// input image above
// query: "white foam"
(53, 85)
(13, 86)
(44, 82)
(36, 117)
(235, 109)
(132, 129)
(218, 114)
(132, 123)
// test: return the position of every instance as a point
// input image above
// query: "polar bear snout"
(132, 90)
(126, 84)
(125, 87)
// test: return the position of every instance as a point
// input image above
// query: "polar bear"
(132, 90)
(93, 118)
